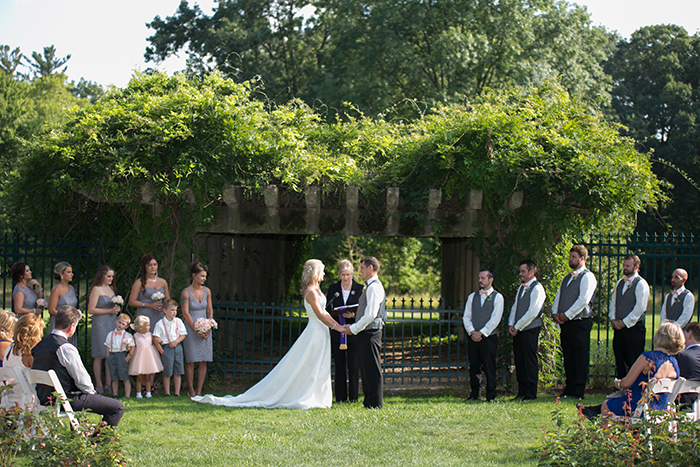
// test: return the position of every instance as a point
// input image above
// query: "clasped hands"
(345, 329)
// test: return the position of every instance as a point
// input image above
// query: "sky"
(107, 39)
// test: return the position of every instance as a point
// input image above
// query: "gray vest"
(481, 314)
(625, 303)
(568, 294)
(675, 310)
(362, 305)
(522, 304)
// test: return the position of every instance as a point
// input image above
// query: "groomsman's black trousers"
(526, 366)
(482, 354)
(628, 345)
(575, 346)
(370, 343)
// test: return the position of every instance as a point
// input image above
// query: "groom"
(368, 328)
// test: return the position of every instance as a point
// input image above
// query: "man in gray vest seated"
(689, 362)
(524, 325)
(678, 305)
(482, 314)
(54, 352)
(572, 311)
(627, 314)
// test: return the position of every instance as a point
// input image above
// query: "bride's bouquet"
(158, 297)
(41, 303)
(203, 325)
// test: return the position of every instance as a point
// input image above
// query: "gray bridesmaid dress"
(68, 299)
(145, 297)
(197, 349)
(101, 326)
(30, 297)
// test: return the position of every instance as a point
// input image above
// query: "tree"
(47, 63)
(10, 60)
(378, 54)
(656, 95)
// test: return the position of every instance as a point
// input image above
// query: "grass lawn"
(432, 428)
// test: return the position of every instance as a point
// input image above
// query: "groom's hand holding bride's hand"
(346, 330)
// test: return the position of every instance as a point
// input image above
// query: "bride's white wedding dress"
(301, 380)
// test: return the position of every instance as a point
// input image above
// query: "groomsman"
(678, 305)
(572, 311)
(627, 314)
(369, 321)
(689, 361)
(482, 314)
(524, 325)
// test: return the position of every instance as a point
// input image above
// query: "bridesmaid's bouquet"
(158, 297)
(41, 303)
(203, 325)
(117, 300)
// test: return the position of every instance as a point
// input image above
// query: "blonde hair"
(7, 324)
(345, 265)
(28, 332)
(313, 271)
(670, 337)
(60, 268)
(140, 321)
(125, 317)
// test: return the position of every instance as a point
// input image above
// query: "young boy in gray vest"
(482, 314)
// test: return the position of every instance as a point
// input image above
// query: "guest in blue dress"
(27, 291)
(660, 363)
(140, 297)
(63, 294)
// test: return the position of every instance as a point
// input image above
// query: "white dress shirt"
(537, 298)
(641, 293)
(374, 296)
(492, 323)
(116, 341)
(169, 331)
(69, 357)
(688, 305)
(588, 285)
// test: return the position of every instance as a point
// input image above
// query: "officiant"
(342, 300)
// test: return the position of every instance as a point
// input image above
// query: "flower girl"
(145, 360)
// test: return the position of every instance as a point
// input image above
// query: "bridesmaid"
(62, 294)
(23, 296)
(347, 362)
(144, 287)
(196, 303)
(104, 320)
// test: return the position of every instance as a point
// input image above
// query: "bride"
(302, 379)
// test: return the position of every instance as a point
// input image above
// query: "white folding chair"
(49, 378)
(9, 377)
(684, 386)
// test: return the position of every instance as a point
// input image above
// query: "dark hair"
(145, 259)
(17, 271)
(635, 259)
(100, 277)
(197, 267)
(529, 263)
(694, 329)
(65, 316)
(488, 271)
(580, 250)
(371, 261)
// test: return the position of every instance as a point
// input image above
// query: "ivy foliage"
(180, 141)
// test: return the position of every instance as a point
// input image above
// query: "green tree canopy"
(657, 97)
(380, 53)
(181, 141)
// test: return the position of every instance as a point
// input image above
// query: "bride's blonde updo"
(313, 270)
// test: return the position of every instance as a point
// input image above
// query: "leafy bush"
(24, 441)
(607, 442)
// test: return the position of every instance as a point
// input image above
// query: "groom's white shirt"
(375, 296)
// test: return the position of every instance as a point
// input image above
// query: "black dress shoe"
(529, 398)
(516, 398)
(473, 397)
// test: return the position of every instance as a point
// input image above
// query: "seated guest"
(669, 340)
(689, 361)
(54, 352)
